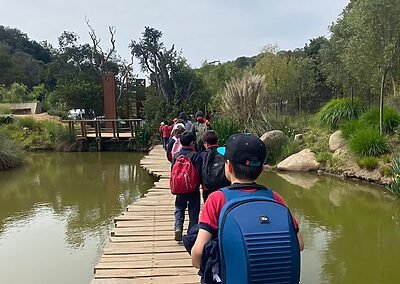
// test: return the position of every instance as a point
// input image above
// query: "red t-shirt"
(213, 206)
(166, 131)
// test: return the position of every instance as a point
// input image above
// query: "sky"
(203, 29)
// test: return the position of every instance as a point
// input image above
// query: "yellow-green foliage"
(395, 186)
(10, 153)
(33, 135)
(5, 110)
(368, 163)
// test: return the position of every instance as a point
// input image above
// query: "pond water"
(56, 215)
(351, 230)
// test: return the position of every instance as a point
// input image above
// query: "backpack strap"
(233, 191)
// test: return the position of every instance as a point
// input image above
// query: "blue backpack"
(257, 239)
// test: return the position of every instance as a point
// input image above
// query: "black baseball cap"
(244, 149)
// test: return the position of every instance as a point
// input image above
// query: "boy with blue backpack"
(185, 183)
(258, 238)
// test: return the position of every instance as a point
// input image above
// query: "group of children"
(226, 175)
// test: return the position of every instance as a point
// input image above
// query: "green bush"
(5, 110)
(225, 128)
(368, 142)
(323, 157)
(391, 119)
(28, 123)
(351, 127)
(143, 139)
(6, 119)
(10, 154)
(59, 113)
(386, 171)
(368, 163)
(338, 111)
(395, 185)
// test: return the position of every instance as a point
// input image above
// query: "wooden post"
(99, 126)
(113, 128)
(131, 127)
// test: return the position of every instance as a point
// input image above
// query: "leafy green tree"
(368, 43)
(168, 69)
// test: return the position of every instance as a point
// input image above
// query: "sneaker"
(178, 235)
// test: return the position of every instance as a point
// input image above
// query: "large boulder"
(303, 161)
(336, 141)
(274, 140)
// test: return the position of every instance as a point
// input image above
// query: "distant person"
(185, 183)
(256, 231)
(199, 128)
(186, 121)
(174, 144)
(160, 132)
(166, 133)
(213, 169)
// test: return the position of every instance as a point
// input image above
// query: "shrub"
(5, 110)
(351, 127)
(59, 113)
(6, 119)
(391, 119)
(369, 163)
(368, 142)
(225, 128)
(28, 123)
(338, 111)
(386, 158)
(386, 171)
(323, 157)
(10, 154)
(395, 185)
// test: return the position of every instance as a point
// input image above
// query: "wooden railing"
(104, 128)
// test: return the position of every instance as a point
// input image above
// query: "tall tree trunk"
(381, 100)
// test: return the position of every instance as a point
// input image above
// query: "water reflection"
(351, 230)
(74, 197)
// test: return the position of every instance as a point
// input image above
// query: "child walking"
(185, 183)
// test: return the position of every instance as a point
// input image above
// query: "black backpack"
(213, 172)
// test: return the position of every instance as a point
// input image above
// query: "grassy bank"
(11, 154)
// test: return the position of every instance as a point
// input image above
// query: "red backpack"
(184, 176)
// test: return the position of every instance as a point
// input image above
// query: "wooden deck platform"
(141, 248)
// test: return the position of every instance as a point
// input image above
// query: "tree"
(275, 69)
(167, 68)
(369, 33)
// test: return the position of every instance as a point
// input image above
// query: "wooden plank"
(138, 257)
(136, 264)
(129, 245)
(186, 279)
(140, 239)
(149, 223)
(147, 272)
(140, 250)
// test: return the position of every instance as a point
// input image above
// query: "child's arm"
(202, 238)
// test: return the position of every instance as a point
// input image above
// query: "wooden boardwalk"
(141, 248)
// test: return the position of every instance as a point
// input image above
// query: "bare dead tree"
(99, 57)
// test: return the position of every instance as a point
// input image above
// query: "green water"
(56, 213)
(351, 230)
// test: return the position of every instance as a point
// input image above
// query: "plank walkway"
(141, 248)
